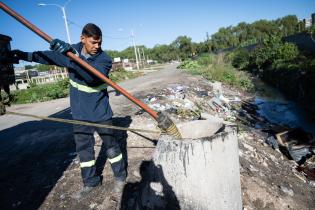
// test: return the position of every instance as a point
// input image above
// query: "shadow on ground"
(151, 192)
(34, 156)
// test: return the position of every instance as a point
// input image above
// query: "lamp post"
(63, 9)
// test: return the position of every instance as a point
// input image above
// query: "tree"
(28, 67)
(240, 59)
(113, 53)
(163, 53)
(274, 51)
(289, 25)
(183, 46)
(42, 67)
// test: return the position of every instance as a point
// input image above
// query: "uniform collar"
(79, 47)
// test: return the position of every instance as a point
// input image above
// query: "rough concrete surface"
(192, 174)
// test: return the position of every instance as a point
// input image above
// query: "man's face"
(90, 45)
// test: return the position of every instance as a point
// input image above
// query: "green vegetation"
(272, 55)
(38, 93)
(243, 34)
(218, 68)
(257, 48)
(282, 65)
(277, 62)
(121, 75)
(60, 89)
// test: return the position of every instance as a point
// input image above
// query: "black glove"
(61, 46)
(17, 55)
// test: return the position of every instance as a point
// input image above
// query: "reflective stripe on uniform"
(115, 159)
(87, 88)
(87, 164)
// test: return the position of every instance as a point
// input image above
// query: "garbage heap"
(209, 101)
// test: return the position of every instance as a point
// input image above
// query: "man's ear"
(83, 38)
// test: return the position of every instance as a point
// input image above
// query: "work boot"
(86, 190)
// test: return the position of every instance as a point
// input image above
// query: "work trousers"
(84, 139)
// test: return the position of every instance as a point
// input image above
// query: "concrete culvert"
(200, 171)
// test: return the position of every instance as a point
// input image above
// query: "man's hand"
(61, 46)
(2, 108)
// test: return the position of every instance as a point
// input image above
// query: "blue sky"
(153, 21)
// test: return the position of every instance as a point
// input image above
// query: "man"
(89, 102)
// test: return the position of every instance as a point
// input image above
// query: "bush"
(240, 59)
(205, 59)
(39, 93)
(286, 52)
(189, 64)
(214, 68)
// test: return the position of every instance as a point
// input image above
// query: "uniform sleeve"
(50, 58)
(58, 59)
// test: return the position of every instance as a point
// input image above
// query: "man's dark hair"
(92, 30)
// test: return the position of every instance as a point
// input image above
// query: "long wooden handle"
(79, 61)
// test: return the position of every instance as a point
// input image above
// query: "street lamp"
(64, 15)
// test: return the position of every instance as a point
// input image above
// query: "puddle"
(275, 108)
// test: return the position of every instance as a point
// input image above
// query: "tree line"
(242, 34)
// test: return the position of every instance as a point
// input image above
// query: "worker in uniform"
(88, 101)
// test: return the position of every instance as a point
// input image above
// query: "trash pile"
(294, 142)
(208, 101)
(192, 103)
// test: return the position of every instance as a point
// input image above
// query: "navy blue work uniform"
(89, 102)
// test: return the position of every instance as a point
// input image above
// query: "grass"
(216, 68)
(121, 75)
(60, 89)
(39, 93)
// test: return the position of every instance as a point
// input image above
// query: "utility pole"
(139, 56)
(66, 23)
(143, 54)
(63, 9)
(135, 48)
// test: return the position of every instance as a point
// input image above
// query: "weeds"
(217, 68)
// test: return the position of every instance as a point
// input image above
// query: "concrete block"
(199, 172)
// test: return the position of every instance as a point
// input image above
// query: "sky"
(152, 21)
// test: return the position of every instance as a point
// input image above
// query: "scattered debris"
(287, 190)
(213, 103)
